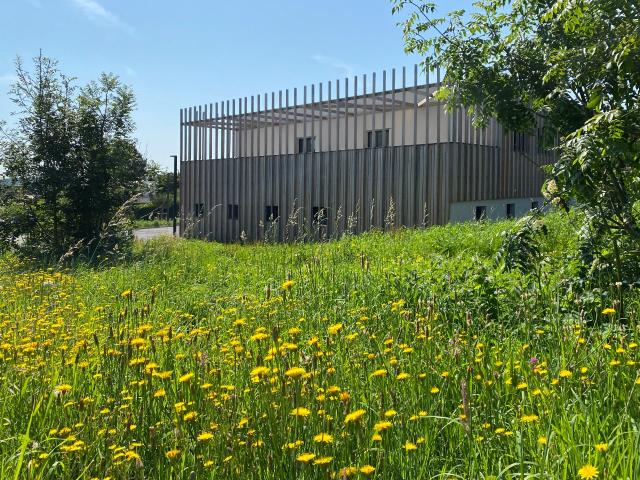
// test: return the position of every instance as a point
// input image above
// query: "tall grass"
(400, 355)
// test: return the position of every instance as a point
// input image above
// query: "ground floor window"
(378, 138)
(270, 213)
(306, 144)
(535, 205)
(481, 212)
(232, 212)
(511, 210)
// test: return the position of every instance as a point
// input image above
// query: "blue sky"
(176, 53)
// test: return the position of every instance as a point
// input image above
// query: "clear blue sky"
(176, 53)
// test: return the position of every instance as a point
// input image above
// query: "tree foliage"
(575, 62)
(71, 160)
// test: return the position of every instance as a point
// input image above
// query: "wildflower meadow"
(404, 355)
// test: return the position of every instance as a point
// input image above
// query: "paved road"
(148, 233)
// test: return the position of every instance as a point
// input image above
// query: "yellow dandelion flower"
(334, 329)
(529, 418)
(322, 460)
(295, 372)
(565, 373)
(300, 412)
(542, 440)
(380, 426)
(609, 311)
(402, 376)
(160, 393)
(288, 284)
(588, 471)
(408, 446)
(172, 453)
(323, 438)
(186, 377)
(390, 413)
(354, 416)
(306, 457)
(379, 373)
(367, 469)
(435, 390)
(602, 447)
(204, 436)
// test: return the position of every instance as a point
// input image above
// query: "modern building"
(348, 156)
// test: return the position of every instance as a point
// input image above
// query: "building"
(348, 156)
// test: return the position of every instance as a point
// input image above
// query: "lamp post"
(175, 193)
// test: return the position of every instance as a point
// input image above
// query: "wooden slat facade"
(240, 164)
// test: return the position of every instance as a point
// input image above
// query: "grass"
(146, 223)
(401, 355)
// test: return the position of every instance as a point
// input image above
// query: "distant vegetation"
(72, 165)
(412, 354)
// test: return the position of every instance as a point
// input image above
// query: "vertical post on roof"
(252, 125)
(329, 114)
(286, 140)
(393, 101)
(266, 112)
(216, 132)
(415, 104)
(273, 120)
(279, 122)
(259, 125)
(404, 105)
(320, 123)
(374, 109)
(295, 120)
(355, 112)
(365, 100)
(337, 114)
(384, 104)
(304, 119)
(346, 114)
(229, 127)
(223, 133)
(313, 117)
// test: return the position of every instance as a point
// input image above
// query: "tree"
(576, 63)
(71, 159)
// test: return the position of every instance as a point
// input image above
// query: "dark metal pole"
(175, 193)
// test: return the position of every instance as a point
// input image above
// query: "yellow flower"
(380, 426)
(204, 436)
(529, 418)
(333, 329)
(295, 372)
(288, 284)
(322, 460)
(367, 469)
(435, 390)
(602, 447)
(402, 376)
(390, 413)
(323, 438)
(408, 446)
(306, 457)
(300, 412)
(189, 416)
(172, 453)
(64, 388)
(259, 371)
(186, 377)
(565, 373)
(609, 311)
(542, 440)
(160, 393)
(379, 373)
(588, 472)
(376, 437)
(126, 293)
(354, 416)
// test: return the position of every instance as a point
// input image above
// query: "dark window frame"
(306, 144)
(271, 213)
(233, 211)
(510, 210)
(380, 136)
(480, 212)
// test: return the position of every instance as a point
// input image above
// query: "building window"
(511, 210)
(306, 144)
(319, 216)
(520, 140)
(198, 209)
(270, 213)
(378, 138)
(535, 205)
(232, 212)
(481, 213)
